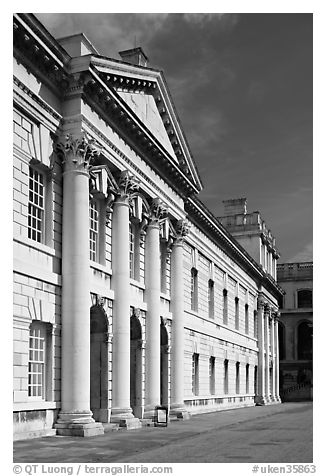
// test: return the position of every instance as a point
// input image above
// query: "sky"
(242, 87)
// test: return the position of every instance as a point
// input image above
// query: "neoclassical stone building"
(296, 330)
(128, 292)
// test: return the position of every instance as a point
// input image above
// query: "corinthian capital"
(78, 152)
(127, 185)
(181, 229)
(158, 210)
(261, 303)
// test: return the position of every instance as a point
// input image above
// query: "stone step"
(110, 427)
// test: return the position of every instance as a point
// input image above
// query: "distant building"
(296, 330)
(128, 292)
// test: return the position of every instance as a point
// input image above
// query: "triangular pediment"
(144, 92)
(144, 106)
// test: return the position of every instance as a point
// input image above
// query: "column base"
(125, 418)
(78, 424)
(179, 412)
(261, 400)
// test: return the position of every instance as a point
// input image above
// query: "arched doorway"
(164, 365)
(136, 394)
(99, 365)
(305, 341)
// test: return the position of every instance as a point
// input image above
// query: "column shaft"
(153, 349)
(273, 381)
(177, 348)
(267, 354)
(75, 417)
(277, 364)
(260, 398)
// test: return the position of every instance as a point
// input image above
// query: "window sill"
(137, 284)
(100, 267)
(35, 405)
(38, 246)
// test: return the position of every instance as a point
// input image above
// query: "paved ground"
(271, 434)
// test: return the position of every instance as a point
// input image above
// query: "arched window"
(225, 306)
(210, 290)
(281, 341)
(236, 306)
(246, 319)
(305, 298)
(305, 341)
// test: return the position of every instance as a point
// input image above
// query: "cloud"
(256, 92)
(224, 20)
(306, 254)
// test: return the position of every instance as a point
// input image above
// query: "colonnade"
(75, 417)
(268, 356)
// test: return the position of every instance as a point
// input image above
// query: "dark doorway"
(99, 365)
(164, 365)
(136, 359)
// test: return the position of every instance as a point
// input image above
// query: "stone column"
(75, 417)
(121, 411)
(260, 397)
(273, 380)
(267, 355)
(277, 360)
(153, 321)
(177, 408)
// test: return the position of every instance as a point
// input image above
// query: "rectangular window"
(226, 376)
(211, 299)
(225, 307)
(212, 375)
(163, 260)
(236, 304)
(237, 377)
(36, 365)
(132, 251)
(36, 204)
(93, 231)
(195, 375)
(194, 289)
(246, 319)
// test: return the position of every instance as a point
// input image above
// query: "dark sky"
(242, 86)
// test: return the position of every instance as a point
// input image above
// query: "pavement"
(274, 433)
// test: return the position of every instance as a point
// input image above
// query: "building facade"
(128, 292)
(296, 330)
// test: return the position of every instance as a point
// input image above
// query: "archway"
(136, 394)
(305, 341)
(164, 365)
(99, 365)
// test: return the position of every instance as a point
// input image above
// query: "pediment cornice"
(135, 79)
(106, 101)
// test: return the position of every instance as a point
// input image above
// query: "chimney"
(134, 56)
(235, 206)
